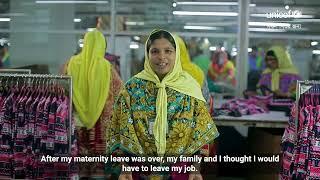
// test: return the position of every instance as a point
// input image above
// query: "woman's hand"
(125, 176)
(195, 176)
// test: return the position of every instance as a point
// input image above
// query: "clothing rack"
(50, 76)
(302, 87)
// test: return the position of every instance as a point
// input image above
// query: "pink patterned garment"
(301, 150)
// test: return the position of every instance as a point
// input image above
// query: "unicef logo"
(284, 14)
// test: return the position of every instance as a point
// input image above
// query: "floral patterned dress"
(190, 127)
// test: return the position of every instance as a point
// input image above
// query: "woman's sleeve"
(205, 128)
(119, 114)
(120, 111)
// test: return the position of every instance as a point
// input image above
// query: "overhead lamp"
(211, 3)
(133, 23)
(249, 49)
(198, 13)
(212, 48)
(200, 27)
(137, 38)
(316, 52)
(314, 43)
(223, 48)
(5, 19)
(134, 46)
(72, 2)
(174, 4)
(90, 29)
(76, 20)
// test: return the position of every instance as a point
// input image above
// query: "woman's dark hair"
(158, 35)
(271, 53)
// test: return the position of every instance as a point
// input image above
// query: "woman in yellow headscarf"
(161, 111)
(280, 75)
(187, 65)
(95, 87)
(193, 69)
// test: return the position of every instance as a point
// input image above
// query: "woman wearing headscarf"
(220, 70)
(161, 111)
(96, 85)
(191, 68)
(280, 76)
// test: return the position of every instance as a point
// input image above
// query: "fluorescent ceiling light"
(277, 16)
(132, 23)
(226, 23)
(234, 53)
(137, 38)
(249, 49)
(315, 51)
(90, 29)
(81, 45)
(223, 48)
(234, 49)
(211, 3)
(197, 13)
(72, 2)
(76, 20)
(134, 46)
(266, 30)
(212, 48)
(5, 19)
(272, 24)
(174, 4)
(314, 43)
(201, 27)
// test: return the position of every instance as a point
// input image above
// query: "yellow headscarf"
(187, 65)
(176, 79)
(91, 75)
(285, 66)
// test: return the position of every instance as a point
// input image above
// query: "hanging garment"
(34, 122)
(301, 144)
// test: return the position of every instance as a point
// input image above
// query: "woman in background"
(96, 85)
(194, 70)
(220, 70)
(281, 75)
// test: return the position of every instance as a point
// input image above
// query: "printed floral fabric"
(190, 126)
